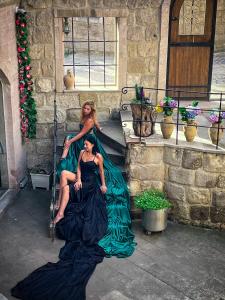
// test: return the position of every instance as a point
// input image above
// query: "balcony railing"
(216, 106)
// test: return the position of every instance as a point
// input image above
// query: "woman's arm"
(97, 125)
(101, 172)
(87, 126)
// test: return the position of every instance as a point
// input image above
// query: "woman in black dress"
(82, 225)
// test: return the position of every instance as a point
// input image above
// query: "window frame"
(89, 64)
(121, 16)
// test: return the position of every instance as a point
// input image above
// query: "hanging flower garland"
(27, 104)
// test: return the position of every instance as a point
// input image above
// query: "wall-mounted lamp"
(66, 27)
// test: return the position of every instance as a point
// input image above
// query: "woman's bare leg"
(64, 202)
(64, 178)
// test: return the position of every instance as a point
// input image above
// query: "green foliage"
(28, 111)
(189, 113)
(140, 97)
(151, 199)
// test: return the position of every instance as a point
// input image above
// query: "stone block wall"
(143, 35)
(13, 161)
(220, 27)
(193, 180)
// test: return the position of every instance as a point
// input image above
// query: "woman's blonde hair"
(92, 113)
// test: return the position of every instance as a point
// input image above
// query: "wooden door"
(190, 51)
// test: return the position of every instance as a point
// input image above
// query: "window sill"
(94, 89)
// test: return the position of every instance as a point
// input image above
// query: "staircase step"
(123, 171)
(61, 137)
(115, 156)
(112, 135)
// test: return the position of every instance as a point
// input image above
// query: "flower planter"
(167, 127)
(143, 119)
(190, 131)
(213, 132)
(41, 180)
(154, 220)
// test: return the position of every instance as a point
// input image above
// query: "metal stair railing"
(53, 199)
(178, 98)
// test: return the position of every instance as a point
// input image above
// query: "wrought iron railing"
(53, 199)
(177, 95)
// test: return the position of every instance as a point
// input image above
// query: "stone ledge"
(89, 12)
(156, 140)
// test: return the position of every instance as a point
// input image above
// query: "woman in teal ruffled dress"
(119, 239)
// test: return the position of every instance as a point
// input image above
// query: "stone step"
(115, 156)
(112, 135)
(121, 167)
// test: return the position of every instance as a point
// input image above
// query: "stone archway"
(14, 165)
(4, 179)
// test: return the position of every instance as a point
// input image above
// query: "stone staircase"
(112, 140)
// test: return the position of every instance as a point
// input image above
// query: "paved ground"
(182, 263)
(218, 73)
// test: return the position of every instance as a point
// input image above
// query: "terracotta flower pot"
(213, 132)
(167, 127)
(190, 131)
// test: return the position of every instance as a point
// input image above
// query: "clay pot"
(213, 132)
(69, 80)
(190, 131)
(167, 127)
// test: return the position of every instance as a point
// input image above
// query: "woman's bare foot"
(58, 217)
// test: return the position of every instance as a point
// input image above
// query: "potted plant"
(143, 113)
(216, 129)
(154, 207)
(167, 106)
(41, 176)
(188, 115)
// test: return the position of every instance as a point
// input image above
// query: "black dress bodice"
(88, 170)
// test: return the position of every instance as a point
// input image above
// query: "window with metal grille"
(90, 50)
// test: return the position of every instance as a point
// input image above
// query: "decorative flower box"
(41, 177)
(41, 180)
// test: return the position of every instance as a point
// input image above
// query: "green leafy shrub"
(151, 199)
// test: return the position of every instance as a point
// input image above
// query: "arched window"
(192, 17)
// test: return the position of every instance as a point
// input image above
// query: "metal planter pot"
(41, 180)
(154, 220)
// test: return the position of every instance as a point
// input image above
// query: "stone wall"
(143, 35)
(193, 180)
(220, 27)
(13, 161)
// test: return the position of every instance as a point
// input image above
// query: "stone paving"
(218, 73)
(182, 263)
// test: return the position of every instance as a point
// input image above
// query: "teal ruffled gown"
(119, 239)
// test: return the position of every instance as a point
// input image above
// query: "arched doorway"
(190, 47)
(4, 183)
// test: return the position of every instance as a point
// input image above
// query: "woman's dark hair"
(91, 139)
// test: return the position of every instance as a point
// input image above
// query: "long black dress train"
(84, 224)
